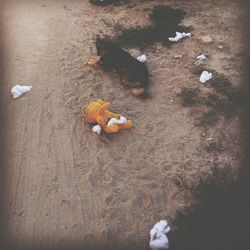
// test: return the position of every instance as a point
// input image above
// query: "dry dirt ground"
(64, 185)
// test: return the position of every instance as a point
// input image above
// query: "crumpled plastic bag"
(179, 36)
(97, 129)
(19, 90)
(112, 121)
(205, 76)
(158, 237)
(142, 58)
(201, 57)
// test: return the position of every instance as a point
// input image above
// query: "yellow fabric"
(97, 112)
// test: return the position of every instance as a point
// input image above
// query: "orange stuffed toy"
(97, 112)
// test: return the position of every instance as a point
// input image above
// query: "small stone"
(178, 56)
(220, 47)
(205, 39)
(209, 139)
(172, 100)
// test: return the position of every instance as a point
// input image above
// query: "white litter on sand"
(205, 76)
(158, 237)
(142, 58)
(18, 90)
(179, 36)
(201, 57)
(97, 129)
(112, 121)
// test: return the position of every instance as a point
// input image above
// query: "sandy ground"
(67, 187)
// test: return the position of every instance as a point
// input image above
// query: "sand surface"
(68, 187)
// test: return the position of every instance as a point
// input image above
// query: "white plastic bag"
(19, 90)
(201, 57)
(142, 58)
(97, 129)
(158, 235)
(112, 121)
(205, 76)
(179, 36)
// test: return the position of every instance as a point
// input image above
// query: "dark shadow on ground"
(165, 21)
(104, 2)
(221, 217)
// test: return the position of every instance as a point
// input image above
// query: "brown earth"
(68, 187)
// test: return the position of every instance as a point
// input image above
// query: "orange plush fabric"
(97, 113)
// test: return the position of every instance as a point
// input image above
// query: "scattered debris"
(179, 36)
(205, 76)
(158, 236)
(142, 58)
(19, 90)
(201, 57)
(97, 129)
(112, 121)
(205, 39)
